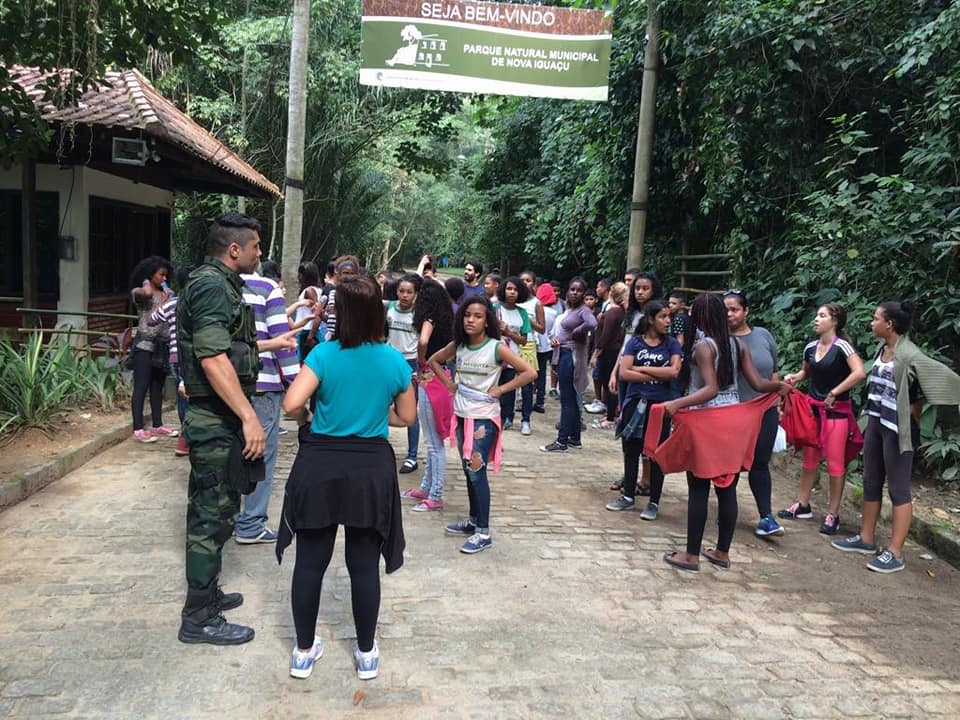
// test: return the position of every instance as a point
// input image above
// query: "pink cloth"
(494, 461)
(441, 402)
(853, 438)
(833, 443)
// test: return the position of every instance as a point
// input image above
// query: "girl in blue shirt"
(649, 364)
(345, 470)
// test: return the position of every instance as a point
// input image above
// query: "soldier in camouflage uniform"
(219, 361)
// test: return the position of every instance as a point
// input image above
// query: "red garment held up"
(713, 443)
(799, 422)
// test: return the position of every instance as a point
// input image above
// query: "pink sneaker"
(164, 431)
(428, 505)
(143, 436)
(414, 494)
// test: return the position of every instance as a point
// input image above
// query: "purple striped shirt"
(270, 314)
(167, 313)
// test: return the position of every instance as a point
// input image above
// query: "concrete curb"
(23, 485)
(926, 529)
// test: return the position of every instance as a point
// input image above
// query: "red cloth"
(799, 422)
(713, 443)
(546, 294)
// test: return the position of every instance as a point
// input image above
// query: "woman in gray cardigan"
(901, 381)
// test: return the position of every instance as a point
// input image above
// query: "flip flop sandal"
(643, 492)
(670, 559)
(618, 485)
(725, 564)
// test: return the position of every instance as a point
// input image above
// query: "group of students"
(695, 392)
(713, 358)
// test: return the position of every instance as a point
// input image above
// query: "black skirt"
(348, 481)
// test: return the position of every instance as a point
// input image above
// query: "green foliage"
(814, 141)
(39, 381)
(87, 36)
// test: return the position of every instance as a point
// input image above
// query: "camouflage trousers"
(212, 506)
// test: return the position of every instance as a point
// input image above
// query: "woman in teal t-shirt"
(345, 472)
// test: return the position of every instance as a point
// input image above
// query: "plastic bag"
(780, 444)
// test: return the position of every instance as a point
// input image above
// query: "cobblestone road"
(571, 615)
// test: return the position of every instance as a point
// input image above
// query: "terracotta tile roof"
(128, 100)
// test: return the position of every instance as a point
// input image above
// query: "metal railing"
(77, 313)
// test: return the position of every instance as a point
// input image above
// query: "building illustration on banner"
(420, 49)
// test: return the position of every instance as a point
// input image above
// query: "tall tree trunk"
(296, 130)
(644, 152)
(244, 67)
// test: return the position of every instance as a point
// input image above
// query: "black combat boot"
(201, 621)
(228, 601)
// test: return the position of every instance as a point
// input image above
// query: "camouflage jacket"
(213, 319)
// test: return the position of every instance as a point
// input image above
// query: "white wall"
(75, 222)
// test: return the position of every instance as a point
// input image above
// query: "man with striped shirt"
(277, 370)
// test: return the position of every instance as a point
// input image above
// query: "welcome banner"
(486, 47)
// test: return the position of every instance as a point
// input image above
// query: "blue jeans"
(569, 400)
(478, 487)
(181, 401)
(253, 514)
(413, 432)
(508, 401)
(435, 469)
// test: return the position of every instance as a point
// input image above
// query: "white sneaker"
(301, 663)
(368, 663)
(595, 407)
(525, 428)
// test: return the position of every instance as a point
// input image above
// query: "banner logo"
(486, 47)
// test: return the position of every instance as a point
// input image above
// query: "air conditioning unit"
(127, 151)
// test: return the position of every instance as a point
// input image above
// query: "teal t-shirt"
(357, 387)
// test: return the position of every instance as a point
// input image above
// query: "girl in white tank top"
(479, 355)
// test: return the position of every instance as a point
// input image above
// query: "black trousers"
(760, 483)
(314, 550)
(147, 378)
(699, 494)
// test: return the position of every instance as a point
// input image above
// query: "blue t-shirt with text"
(645, 355)
(357, 387)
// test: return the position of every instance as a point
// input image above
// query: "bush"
(38, 381)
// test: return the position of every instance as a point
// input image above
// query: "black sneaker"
(215, 631)
(539, 409)
(831, 523)
(795, 512)
(574, 444)
(553, 447)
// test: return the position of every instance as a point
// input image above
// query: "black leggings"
(632, 453)
(605, 365)
(882, 459)
(760, 484)
(699, 494)
(147, 377)
(314, 550)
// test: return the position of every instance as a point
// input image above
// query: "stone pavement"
(572, 614)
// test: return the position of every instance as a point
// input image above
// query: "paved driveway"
(571, 614)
